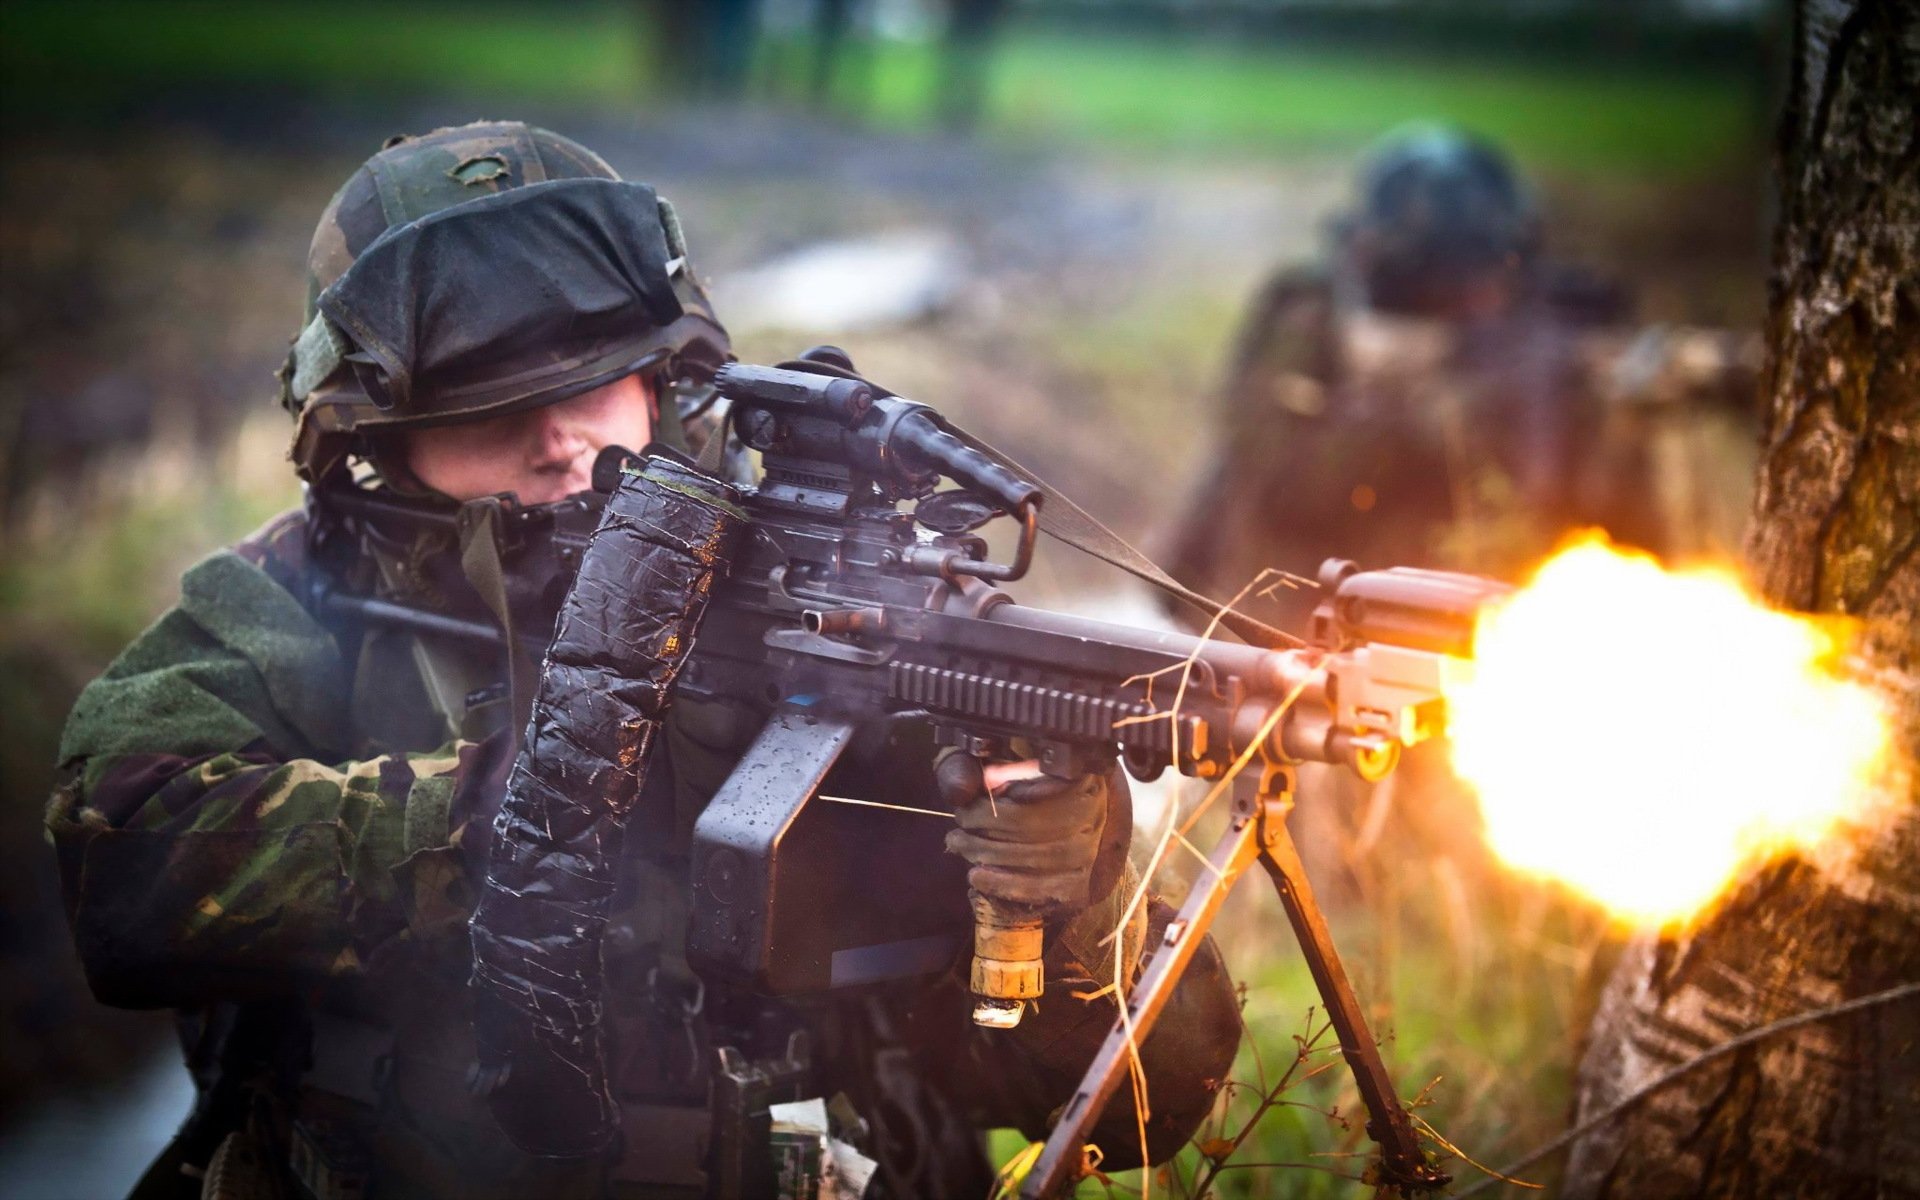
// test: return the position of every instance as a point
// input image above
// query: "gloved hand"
(1050, 846)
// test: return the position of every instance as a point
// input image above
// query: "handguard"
(623, 635)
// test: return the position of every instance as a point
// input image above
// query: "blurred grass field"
(1185, 95)
(1204, 97)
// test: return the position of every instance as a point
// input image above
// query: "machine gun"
(859, 628)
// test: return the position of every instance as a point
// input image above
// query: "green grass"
(589, 52)
(1130, 92)
(1262, 99)
(1491, 1058)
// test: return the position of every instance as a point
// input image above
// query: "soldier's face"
(541, 454)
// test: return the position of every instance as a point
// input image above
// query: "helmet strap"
(668, 427)
(480, 525)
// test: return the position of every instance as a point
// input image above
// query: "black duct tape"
(623, 636)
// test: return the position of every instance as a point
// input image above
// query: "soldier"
(1438, 395)
(277, 823)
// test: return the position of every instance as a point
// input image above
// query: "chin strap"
(317, 352)
(479, 526)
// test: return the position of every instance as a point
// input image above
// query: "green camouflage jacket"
(250, 823)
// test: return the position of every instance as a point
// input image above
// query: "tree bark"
(1832, 1108)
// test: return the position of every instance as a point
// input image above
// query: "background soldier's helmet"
(415, 177)
(1437, 201)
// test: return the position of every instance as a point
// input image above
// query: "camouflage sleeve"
(212, 843)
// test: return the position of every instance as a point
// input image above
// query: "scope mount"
(833, 444)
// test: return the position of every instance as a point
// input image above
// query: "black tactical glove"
(1052, 847)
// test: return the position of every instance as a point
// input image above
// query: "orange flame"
(1645, 736)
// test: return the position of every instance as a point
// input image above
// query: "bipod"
(1257, 831)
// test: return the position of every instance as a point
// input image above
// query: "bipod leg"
(1403, 1165)
(1059, 1165)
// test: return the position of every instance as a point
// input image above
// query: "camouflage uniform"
(1359, 423)
(1408, 440)
(268, 820)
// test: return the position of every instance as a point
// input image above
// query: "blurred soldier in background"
(1439, 394)
(276, 819)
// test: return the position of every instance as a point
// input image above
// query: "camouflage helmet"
(415, 177)
(1438, 201)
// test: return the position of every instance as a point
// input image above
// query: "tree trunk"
(1833, 1107)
